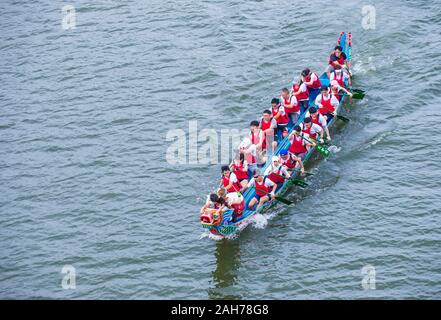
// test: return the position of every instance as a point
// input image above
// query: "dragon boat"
(221, 223)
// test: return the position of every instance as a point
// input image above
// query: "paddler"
(311, 79)
(310, 130)
(235, 201)
(280, 116)
(249, 151)
(213, 202)
(337, 60)
(318, 118)
(276, 172)
(291, 105)
(234, 198)
(326, 103)
(229, 180)
(336, 88)
(290, 161)
(240, 170)
(299, 146)
(300, 91)
(341, 76)
(268, 125)
(264, 190)
(211, 212)
(257, 136)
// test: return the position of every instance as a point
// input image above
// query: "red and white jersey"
(233, 179)
(320, 119)
(297, 145)
(316, 83)
(341, 77)
(251, 154)
(276, 174)
(272, 124)
(256, 138)
(312, 131)
(267, 125)
(267, 183)
(289, 162)
(283, 119)
(303, 94)
(330, 104)
(290, 104)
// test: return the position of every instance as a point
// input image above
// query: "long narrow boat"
(227, 228)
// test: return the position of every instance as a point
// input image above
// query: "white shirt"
(267, 183)
(334, 101)
(271, 168)
(303, 87)
(315, 128)
(313, 77)
(292, 136)
(233, 177)
(282, 110)
(321, 119)
(251, 151)
(273, 123)
(233, 198)
(292, 102)
(345, 76)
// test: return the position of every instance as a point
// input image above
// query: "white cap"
(275, 158)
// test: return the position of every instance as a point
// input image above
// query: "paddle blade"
(283, 200)
(342, 118)
(358, 95)
(358, 90)
(322, 150)
(299, 183)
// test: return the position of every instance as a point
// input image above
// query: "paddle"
(319, 147)
(355, 95)
(342, 118)
(298, 182)
(283, 200)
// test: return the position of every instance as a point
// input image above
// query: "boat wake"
(260, 221)
(334, 149)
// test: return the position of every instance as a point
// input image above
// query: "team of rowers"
(275, 125)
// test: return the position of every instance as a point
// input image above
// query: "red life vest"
(340, 60)
(302, 95)
(235, 187)
(308, 131)
(339, 78)
(238, 208)
(316, 120)
(238, 171)
(327, 106)
(316, 84)
(264, 126)
(290, 163)
(261, 188)
(287, 102)
(283, 119)
(254, 140)
(297, 146)
(276, 177)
